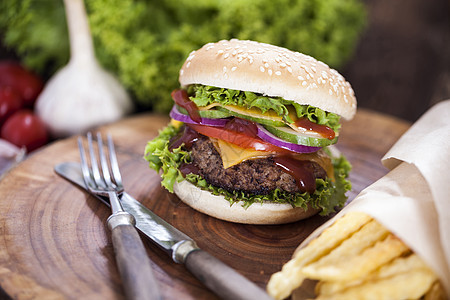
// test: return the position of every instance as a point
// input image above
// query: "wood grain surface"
(54, 242)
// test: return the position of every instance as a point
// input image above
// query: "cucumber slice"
(288, 134)
(253, 117)
(210, 114)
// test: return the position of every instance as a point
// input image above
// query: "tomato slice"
(238, 138)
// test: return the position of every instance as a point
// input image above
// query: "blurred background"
(396, 54)
(401, 65)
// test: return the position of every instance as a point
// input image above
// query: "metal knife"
(217, 276)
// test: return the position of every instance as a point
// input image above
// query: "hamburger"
(251, 134)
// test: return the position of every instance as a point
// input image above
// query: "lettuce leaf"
(203, 95)
(328, 196)
(159, 157)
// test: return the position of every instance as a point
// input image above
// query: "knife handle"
(221, 279)
(132, 261)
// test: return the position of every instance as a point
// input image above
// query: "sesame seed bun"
(271, 71)
(220, 208)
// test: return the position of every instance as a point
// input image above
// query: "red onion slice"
(274, 140)
(176, 115)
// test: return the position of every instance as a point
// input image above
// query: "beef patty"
(256, 176)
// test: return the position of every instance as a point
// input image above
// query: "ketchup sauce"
(323, 130)
(246, 127)
(181, 98)
(298, 169)
(186, 136)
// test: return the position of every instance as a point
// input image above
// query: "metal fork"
(131, 257)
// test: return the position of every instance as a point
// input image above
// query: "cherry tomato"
(10, 102)
(27, 84)
(238, 138)
(24, 128)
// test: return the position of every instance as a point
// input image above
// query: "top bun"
(271, 71)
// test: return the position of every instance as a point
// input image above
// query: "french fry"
(364, 238)
(359, 265)
(358, 258)
(411, 263)
(411, 285)
(281, 284)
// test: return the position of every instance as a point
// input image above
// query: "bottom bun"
(220, 208)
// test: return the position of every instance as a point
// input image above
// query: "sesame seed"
(226, 55)
(345, 99)
(233, 69)
(266, 65)
(278, 73)
(289, 69)
(304, 83)
(270, 72)
(330, 92)
(301, 77)
(261, 69)
(250, 60)
(181, 72)
(283, 65)
(308, 77)
(314, 69)
(188, 64)
(220, 52)
(234, 53)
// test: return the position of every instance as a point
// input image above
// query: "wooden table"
(54, 242)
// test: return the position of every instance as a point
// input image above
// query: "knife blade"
(217, 276)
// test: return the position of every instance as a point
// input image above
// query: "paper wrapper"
(413, 199)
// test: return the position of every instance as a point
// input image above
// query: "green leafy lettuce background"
(144, 42)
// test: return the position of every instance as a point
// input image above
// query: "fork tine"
(94, 165)
(114, 164)
(103, 161)
(84, 165)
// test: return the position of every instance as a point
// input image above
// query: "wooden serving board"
(54, 243)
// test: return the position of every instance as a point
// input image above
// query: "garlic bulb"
(81, 95)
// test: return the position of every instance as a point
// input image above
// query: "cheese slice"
(232, 154)
(208, 107)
